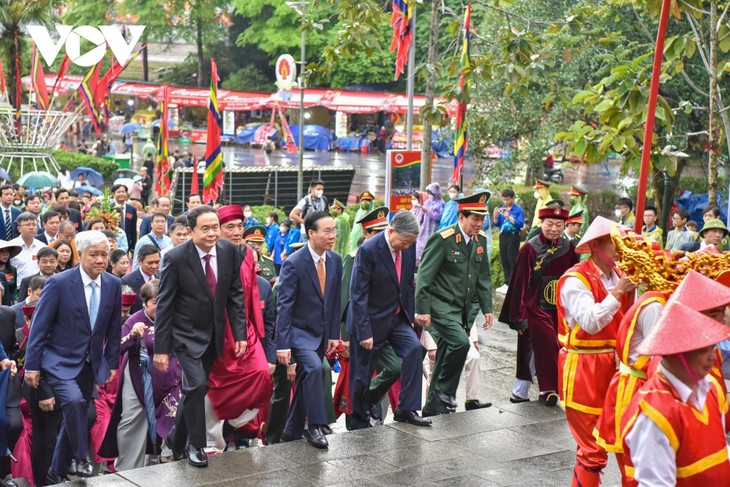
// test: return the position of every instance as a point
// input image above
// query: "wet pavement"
(508, 444)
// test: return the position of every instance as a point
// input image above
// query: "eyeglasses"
(28, 224)
(329, 232)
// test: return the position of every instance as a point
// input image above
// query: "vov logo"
(71, 37)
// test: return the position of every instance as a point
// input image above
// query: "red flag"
(65, 64)
(38, 80)
(3, 83)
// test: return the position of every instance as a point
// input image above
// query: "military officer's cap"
(576, 190)
(338, 204)
(366, 195)
(475, 203)
(541, 183)
(575, 218)
(254, 234)
(297, 245)
(559, 203)
(375, 220)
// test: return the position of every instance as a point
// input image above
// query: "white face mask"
(617, 213)
(537, 195)
(247, 214)
(319, 193)
(414, 202)
(268, 220)
(453, 196)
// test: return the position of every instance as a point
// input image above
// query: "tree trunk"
(712, 144)
(433, 37)
(199, 45)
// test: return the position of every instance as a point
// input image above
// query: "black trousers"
(190, 418)
(46, 426)
(279, 407)
(509, 245)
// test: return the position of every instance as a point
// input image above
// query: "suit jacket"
(146, 226)
(305, 318)
(268, 308)
(24, 285)
(185, 307)
(375, 293)
(690, 247)
(14, 212)
(130, 224)
(135, 280)
(74, 216)
(61, 336)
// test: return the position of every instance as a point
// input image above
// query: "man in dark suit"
(307, 325)
(63, 197)
(381, 311)
(200, 287)
(74, 342)
(127, 212)
(160, 204)
(8, 213)
(149, 264)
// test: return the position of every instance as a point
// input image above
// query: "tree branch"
(690, 7)
(722, 17)
(509, 14)
(700, 49)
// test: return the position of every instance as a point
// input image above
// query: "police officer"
(453, 285)
(255, 237)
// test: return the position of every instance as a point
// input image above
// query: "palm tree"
(14, 16)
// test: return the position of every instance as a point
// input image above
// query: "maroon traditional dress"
(530, 306)
(244, 383)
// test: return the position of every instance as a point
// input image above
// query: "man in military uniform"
(578, 204)
(453, 285)
(366, 206)
(573, 227)
(388, 362)
(530, 305)
(543, 199)
(255, 237)
(342, 226)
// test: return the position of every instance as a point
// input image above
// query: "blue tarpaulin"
(246, 135)
(695, 203)
(316, 137)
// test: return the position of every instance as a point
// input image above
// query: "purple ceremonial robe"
(522, 303)
(166, 386)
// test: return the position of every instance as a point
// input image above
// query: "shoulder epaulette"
(447, 232)
(483, 233)
(353, 253)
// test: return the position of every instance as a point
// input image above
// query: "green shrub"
(72, 160)
(261, 212)
(496, 264)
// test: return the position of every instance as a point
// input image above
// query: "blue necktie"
(93, 304)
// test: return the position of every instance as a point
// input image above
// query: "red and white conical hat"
(700, 292)
(681, 329)
(600, 227)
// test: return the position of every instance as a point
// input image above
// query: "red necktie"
(209, 275)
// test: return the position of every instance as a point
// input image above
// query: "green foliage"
(72, 160)
(248, 78)
(495, 265)
(261, 212)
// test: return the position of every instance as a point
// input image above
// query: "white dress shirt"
(316, 257)
(581, 309)
(654, 459)
(648, 316)
(86, 279)
(26, 262)
(213, 260)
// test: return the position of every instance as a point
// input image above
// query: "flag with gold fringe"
(86, 90)
(38, 80)
(213, 176)
(402, 22)
(164, 168)
(462, 137)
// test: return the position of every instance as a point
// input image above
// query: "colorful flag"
(402, 22)
(213, 177)
(86, 88)
(104, 87)
(462, 137)
(65, 64)
(18, 86)
(164, 168)
(3, 82)
(38, 80)
(291, 146)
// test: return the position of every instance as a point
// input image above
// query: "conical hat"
(600, 227)
(681, 329)
(700, 293)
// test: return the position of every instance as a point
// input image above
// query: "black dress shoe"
(476, 404)
(326, 430)
(315, 437)
(410, 417)
(8, 482)
(550, 399)
(376, 411)
(52, 478)
(196, 456)
(84, 469)
(517, 399)
(286, 438)
(177, 454)
(427, 413)
(445, 399)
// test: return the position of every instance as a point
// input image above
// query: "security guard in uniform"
(452, 286)
(255, 236)
(388, 362)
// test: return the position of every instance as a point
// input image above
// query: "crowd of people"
(130, 336)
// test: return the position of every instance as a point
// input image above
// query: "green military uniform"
(342, 226)
(256, 236)
(578, 198)
(366, 206)
(453, 284)
(268, 270)
(388, 365)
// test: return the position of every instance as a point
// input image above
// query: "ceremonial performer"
(381, 311)
(529, 305)
(674, 428)
(453, 285)
(366, 206)
(200, 286)
(592, 299)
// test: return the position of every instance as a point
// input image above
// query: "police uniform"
(388, 365)
(257, 234)
(453, 284)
